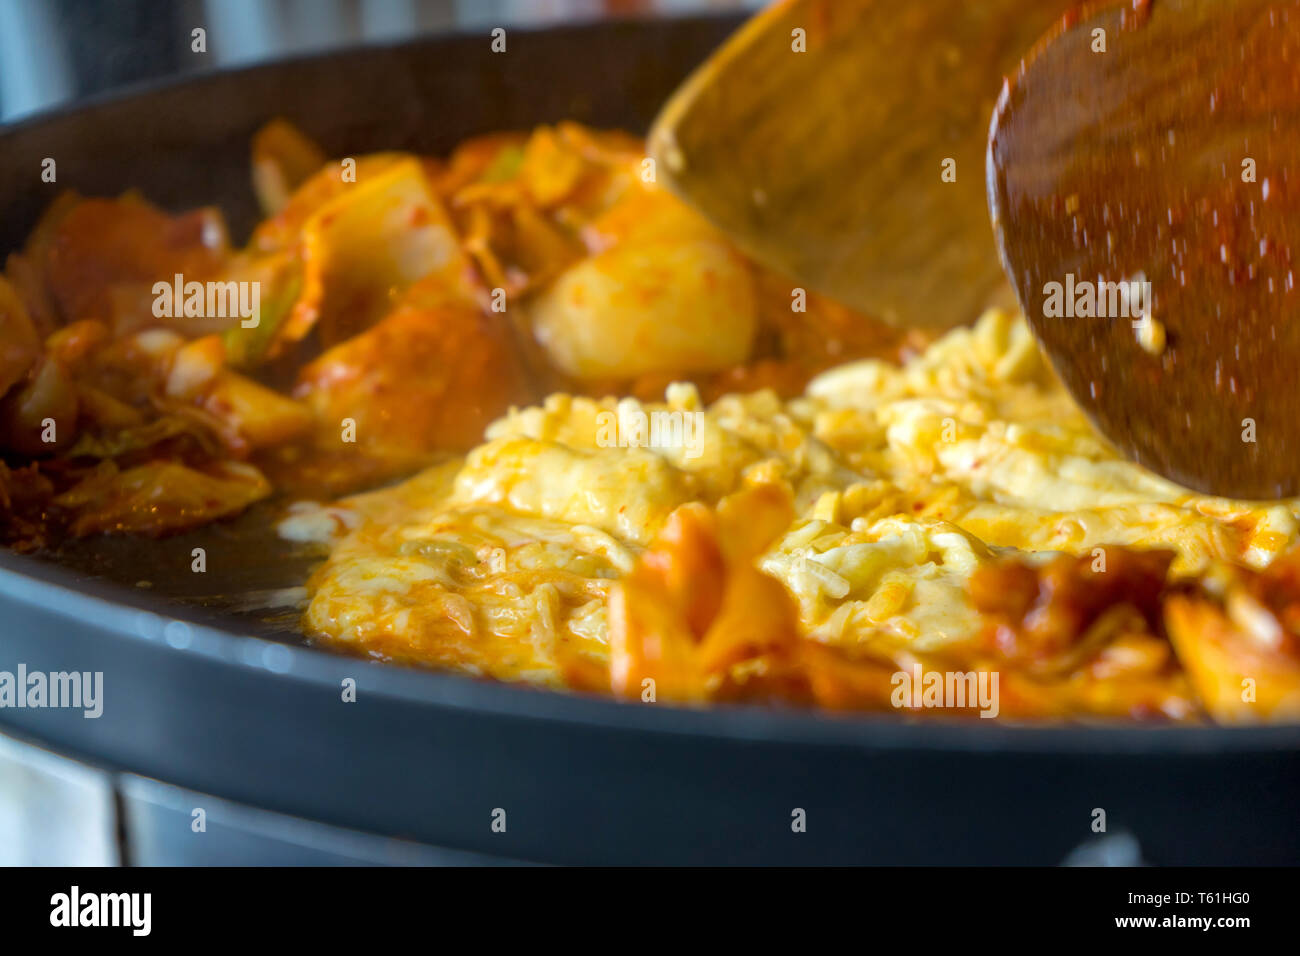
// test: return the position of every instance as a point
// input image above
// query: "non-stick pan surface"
(193, 699)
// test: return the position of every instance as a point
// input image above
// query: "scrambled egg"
(905, 479)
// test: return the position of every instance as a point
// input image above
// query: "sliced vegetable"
(194, 367)
(1241, 646)
(279, 280)
(19, 344)
(40, 417)
(122, 441)
(550, 168)
(283, 159)
(367, 246)
(261, 417)
(160, 497)
(100, 243)
(426, 378)
(28, 283)
(505, 165)
(491, 158)
(695, 616)
(334, 179)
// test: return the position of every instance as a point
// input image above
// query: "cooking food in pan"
(545, 424)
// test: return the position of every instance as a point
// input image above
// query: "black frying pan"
(190, 698)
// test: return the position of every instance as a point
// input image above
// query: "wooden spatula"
(824, 138)
(1160, 141)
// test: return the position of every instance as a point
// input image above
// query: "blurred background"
(52, 51)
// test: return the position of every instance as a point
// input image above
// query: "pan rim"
(131, 617)
(138, 88)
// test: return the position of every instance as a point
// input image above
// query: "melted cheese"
(905, 478)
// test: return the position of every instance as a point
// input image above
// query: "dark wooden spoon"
(1174, 156)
